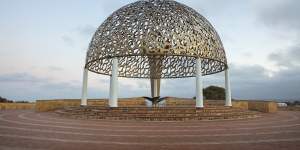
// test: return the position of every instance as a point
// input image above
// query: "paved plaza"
(28, 130)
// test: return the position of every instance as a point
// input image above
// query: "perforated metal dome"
(156, 39)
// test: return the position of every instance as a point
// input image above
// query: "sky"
(43, 46)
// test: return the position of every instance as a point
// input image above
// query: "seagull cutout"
(155, 100)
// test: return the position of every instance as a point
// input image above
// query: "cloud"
(79, 35)
(283, 14)
(254, 82)
(24, 86)
(109, 7)
(55, 68)
(19, 77)
(286, 58)
(130, 87)
(86, 31)
(247, 82)
(283, 85)
(68, 40)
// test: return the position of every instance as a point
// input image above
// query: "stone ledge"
(262, 106)
(50, 105)
(16, 106)
(156, 114)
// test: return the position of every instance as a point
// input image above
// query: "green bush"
(214, 93)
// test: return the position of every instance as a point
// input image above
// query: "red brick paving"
(27, 130)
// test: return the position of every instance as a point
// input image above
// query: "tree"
(4, 100)
(214, 93)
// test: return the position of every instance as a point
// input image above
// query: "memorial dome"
(156, 39)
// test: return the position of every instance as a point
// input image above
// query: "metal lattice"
(156, 39)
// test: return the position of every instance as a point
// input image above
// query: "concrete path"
(27, 130)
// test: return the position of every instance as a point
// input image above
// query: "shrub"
(4, 100)
(214, 93)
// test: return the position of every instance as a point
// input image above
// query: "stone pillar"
(227, 89)
(113, 91)
(199, 84)
(84, 88)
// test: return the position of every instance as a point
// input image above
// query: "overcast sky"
(43, 46)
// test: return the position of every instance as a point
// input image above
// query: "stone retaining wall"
(262, 106)
(49, 105)
(157, 113)
(177, 102)
(183, 102)
(240, 104)
(13, 106)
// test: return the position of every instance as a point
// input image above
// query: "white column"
(113, 92)
(227, 89)
(155, 85)
(84, 88)
(199, 84)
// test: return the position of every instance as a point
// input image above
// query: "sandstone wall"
(188, 102)
(240, 104)
(13, 106)
(48, 105)
(179, 102)
(262, 106)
